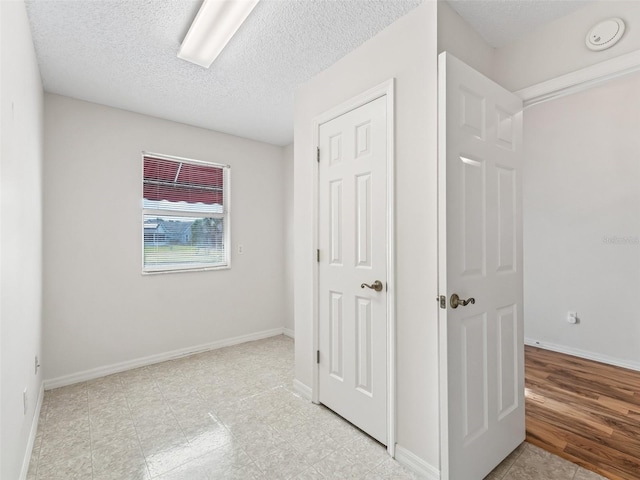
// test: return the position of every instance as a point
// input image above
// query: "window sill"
(185, 270)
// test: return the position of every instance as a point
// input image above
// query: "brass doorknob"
(377, 286)
(456, 301)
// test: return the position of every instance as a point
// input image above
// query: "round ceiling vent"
(605, 34)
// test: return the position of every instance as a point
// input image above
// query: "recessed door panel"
(336, 334)
(506, 219)
(504, 129)
(364, 345)
(335, 149)
(363, 220)
(472, 112)
(336, 233)
(363, 140)
(474, 377)
(508, 383)
(473, 216)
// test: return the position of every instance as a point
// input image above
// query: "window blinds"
(184, 215)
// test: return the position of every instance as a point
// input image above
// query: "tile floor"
(529, 462)
(225, 414)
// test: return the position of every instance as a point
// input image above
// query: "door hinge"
(443, 301)
(318, 255)
(318, 154)
(317, 356)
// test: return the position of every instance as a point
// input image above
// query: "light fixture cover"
(605, 34)
(216, 22)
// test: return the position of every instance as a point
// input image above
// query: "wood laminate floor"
(584, 411)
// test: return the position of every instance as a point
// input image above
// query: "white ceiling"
(501, 22)
(122, 53)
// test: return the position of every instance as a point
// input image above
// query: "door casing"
(381, 90)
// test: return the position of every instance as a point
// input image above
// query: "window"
(185, 214)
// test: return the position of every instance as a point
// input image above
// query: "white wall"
(558, 47)
(21, 234)
(406, 50)
(457, 37)
(287, 177)
(582, 221)
(99, 309)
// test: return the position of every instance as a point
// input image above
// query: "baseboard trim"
(301, 389)
(288, 332)
(576, 352)
(151, 359)
(416, 464)
(32, 435)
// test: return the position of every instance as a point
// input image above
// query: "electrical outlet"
(572, 317)
(25, 401)
(240, 249)
(36, 365)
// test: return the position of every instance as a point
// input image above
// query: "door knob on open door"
(377, 286)
(456, 301)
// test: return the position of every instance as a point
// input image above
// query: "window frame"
(225, 215)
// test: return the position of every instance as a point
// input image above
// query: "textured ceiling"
(122, 53)
(501, 22)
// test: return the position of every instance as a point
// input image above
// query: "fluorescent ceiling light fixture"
(216, 22)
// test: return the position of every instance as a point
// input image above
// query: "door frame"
(580, 80)
(384, 89)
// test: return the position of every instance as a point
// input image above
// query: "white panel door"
(480, 249)
(352, 228)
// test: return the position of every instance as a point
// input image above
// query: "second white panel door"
(482, 345)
